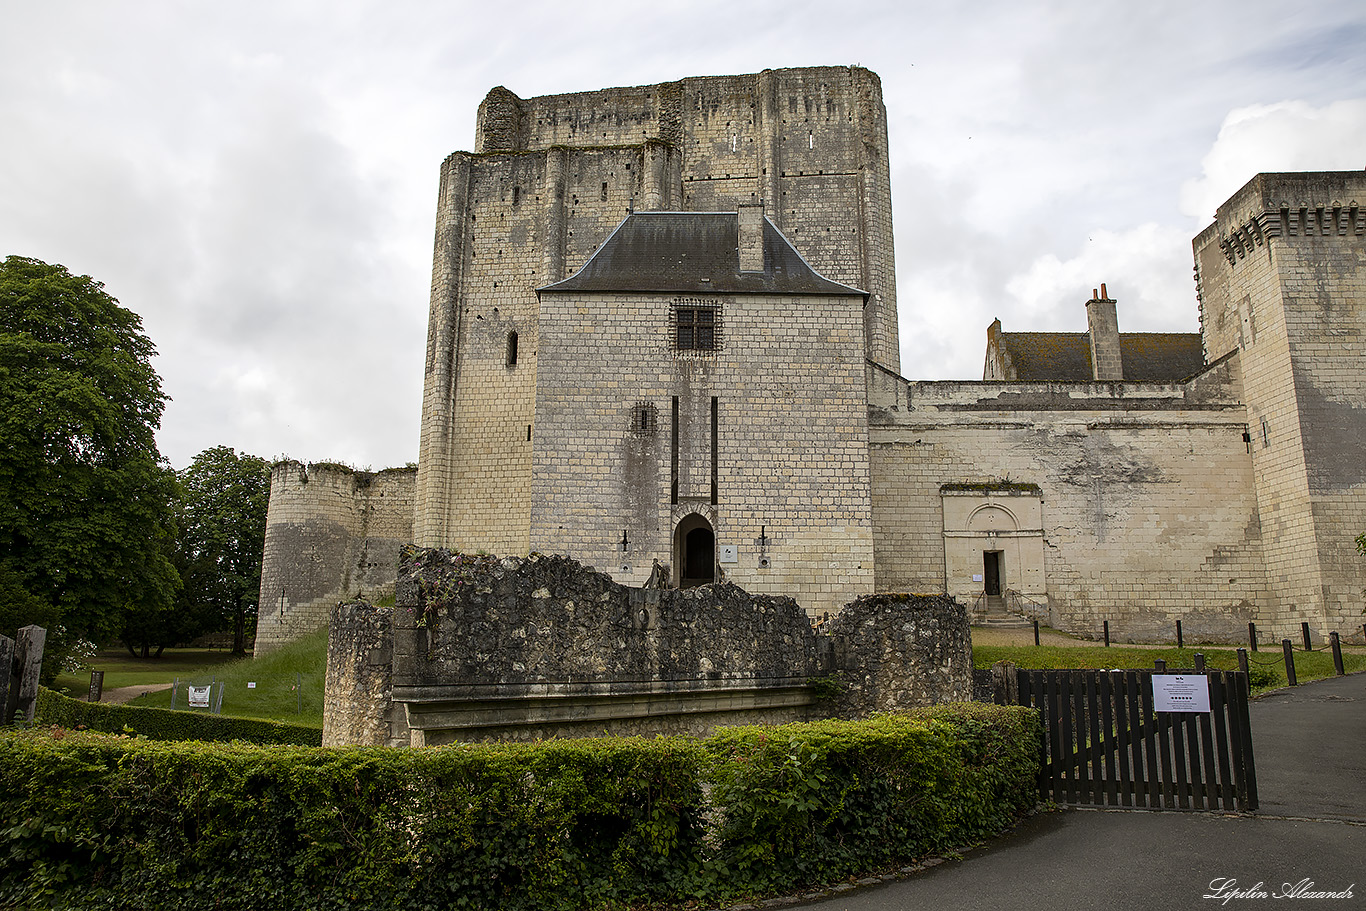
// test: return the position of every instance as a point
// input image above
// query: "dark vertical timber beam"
(673, 453)
(715, 449)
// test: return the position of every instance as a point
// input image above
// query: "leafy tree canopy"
(86, 501)
(224, 496)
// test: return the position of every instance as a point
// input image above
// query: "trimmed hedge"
(93, 821)
(163, 724)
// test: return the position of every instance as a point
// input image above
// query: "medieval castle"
(663, 341)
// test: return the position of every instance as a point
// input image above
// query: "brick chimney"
(752, 238)
(1102, 325)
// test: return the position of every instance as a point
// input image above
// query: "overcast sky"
(258, 180)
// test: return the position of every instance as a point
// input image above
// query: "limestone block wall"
(810, 143)
(552, 176)
(1145, 496)
(1282, 277)
(331, 532)
(791, 465)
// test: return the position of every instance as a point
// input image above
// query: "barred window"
(696, 328)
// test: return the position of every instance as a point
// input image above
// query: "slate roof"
(694, 252)
(1065, 357)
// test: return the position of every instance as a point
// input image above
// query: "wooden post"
(1242, 660)
(1107, 633)
(1199, 662)
(1337, 653)
(1036, 632)
(1179, 642)
(1005, 684)
(1160, 665)
(1252, 635)
(1289, 652)
(1304, 629)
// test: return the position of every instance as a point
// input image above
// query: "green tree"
(86, 501)
(223, 531)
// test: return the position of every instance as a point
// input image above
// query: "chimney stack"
(1102, 324)
(752, 238)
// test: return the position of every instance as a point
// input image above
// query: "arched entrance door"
(695, 552)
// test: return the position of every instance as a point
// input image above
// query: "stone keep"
(1213, 477)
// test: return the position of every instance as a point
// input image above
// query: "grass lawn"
(1267, 666)
(122, 669)
(275, 695)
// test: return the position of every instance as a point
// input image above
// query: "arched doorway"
(695, 552)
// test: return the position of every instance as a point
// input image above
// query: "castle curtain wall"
(1144, 495)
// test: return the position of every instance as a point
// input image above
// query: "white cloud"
(1286, 136)
(1147, 270)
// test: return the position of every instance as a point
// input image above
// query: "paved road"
(1310, 748)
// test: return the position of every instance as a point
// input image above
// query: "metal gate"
(1104, 744)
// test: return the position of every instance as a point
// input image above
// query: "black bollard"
(1199, 662)
(1337, 654)
(1179, 642)
(1242, 660)
(1252, 636)
(1036, 632)
(1160, 665)
(1107, 633)
(1289, 652)
(1304, 629)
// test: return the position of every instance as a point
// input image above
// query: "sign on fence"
(1180, 693)
(199, 696)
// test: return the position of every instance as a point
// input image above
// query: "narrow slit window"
(512, 349)
(603, 195)
(516, 195)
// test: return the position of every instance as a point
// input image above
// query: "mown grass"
(1267, 667)
(122, 669)
(275, 695)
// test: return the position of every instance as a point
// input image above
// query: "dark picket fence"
(1106, 745)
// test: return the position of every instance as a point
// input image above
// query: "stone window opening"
(516, 195)
(512, 349)
(697, 326)
(602, 197)
(643, 419)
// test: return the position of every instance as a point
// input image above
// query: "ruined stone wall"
(792, 489)
(1145, 497)
(488, 648)
(1282, 277)
(895, 652)
(331, 533)
(358, 705)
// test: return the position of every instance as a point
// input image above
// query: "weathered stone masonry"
(486, 648)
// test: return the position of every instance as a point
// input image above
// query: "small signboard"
(199, 697)
(251, 684)
(730, 553)
(1180, 692)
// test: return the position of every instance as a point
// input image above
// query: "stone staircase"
(991, 612)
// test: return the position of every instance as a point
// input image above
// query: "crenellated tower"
(1282, 281)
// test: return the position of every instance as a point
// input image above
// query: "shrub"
(101, 821)
(163, 724)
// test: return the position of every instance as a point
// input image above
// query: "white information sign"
(251, 684)
(730, 553)
(1180, 692)
(199, 697)
(977, 577)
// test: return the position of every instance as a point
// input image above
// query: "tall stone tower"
(550, 178)
(1282, 280)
